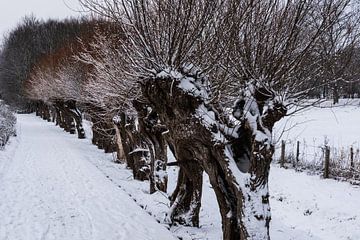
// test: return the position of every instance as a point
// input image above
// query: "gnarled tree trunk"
(235, 156)
(135, 147)
(153, 131)
(186, 198)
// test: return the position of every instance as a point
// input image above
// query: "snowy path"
(49, 189)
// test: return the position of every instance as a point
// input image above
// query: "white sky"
(12, 11)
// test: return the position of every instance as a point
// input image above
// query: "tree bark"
(120, 152)
(71, 109)
(135, 146)
(43, 110)
(186, 198)
(236, 161)
(153, 131)
(103, 128)
(66, 120)
(124, 148)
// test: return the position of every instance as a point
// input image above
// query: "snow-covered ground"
(49, 189)
(313, 208)
(337, 126)
(303, 207)
(54, 186)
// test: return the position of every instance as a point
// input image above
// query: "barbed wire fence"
(337, 162)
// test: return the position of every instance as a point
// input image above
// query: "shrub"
(7, 124)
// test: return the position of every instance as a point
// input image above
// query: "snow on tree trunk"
(103, 128)
(152, 130)
(105, 135)
(235, 154)
(71, 109)
(123, 142)
(135, 146)
(57, 115)
(186, 198)
(7, 124)
(66, 117)
(120, 152)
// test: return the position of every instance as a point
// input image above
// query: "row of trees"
(209, 79)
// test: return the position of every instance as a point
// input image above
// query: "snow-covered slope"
(303, 207)
(50, 190)
(54, 186)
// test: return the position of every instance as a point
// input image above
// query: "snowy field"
(55, 186)
(337, 126)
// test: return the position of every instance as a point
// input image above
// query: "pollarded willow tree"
(139, 134)
(56, 81)
(220, 74)
(110, 99)
(88, 71)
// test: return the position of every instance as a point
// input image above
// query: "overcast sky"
(11, 11)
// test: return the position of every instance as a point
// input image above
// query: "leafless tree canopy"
(233, 42)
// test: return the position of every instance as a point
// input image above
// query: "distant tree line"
(207, 79)
(24, 46)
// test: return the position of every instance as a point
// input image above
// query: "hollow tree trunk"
(236, 157)
(158, 174)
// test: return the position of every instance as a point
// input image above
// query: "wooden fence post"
(351, 158)
(297, 152)
(327, 162)
(282, 157)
